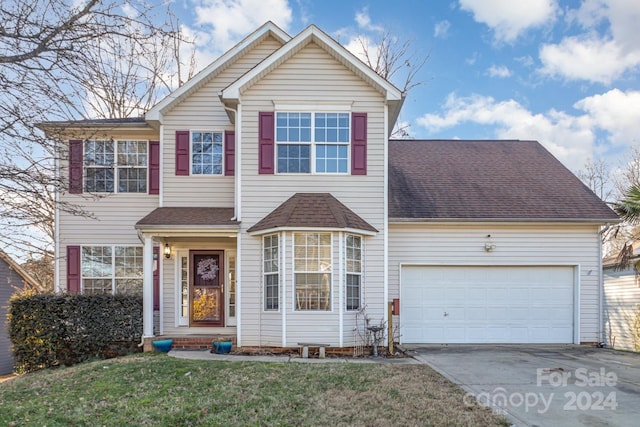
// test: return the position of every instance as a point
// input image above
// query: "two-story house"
(263, 199)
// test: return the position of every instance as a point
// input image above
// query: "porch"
(192, 278)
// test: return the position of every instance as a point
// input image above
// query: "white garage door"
(464, 304)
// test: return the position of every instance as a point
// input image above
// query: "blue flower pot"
(222, 347)
(163, 346)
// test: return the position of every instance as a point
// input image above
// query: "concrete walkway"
(207, 355)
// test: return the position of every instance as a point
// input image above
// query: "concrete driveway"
(544, 385)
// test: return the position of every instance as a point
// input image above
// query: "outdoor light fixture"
(167, 251)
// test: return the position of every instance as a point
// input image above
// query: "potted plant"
(221, 345)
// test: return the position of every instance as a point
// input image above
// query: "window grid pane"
(294, 158)
(331, 158)
(102, 171)
(354, 272)
(132, 170)
(109, 269)
(270, 256)
(206, 153)
(326, 136)
(312, 265)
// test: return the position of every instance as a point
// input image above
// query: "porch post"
(147, 294)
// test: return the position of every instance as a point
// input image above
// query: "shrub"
(63, 329)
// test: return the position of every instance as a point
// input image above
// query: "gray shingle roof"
(312, 210)
(188, 216)
(486, 180)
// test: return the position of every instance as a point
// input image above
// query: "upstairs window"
(115, 166)
(313, 142)
(206, 153)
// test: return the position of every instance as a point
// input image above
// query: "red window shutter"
(266, 133)
(358, 143)
(156, 278)
(182, 152)
(154, 167)
(229, 153)
(73, 269)
(75, 166)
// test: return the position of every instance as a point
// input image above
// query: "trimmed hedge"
(64, 329)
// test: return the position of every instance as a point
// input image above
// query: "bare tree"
(53, 54)
(393, 59)
(597, 176)
(397, 62)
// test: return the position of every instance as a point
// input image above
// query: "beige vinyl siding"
(203, 111)
(516, 244)
(621, 308)
(107, 219)
(110, 220)
(311, 76)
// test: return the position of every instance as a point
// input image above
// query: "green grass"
(149, 389)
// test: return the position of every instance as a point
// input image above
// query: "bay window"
(353, 272)
(270, 255)
(312, 265)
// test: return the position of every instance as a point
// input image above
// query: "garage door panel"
(487, 304)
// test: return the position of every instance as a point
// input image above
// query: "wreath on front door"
(207, 268)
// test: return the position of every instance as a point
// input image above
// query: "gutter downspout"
(603, 230)
(56, 226)
(237, 217)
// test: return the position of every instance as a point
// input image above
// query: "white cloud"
(441, 29)
(509, 18)
(526, 60)
(603, 52)
(613, 115)
(616, 112)
(623, 17)
(364, 21)
(591, 59)
(233, 19)
(364, 48)
(499, 71)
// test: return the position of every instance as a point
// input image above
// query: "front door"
(207, 288)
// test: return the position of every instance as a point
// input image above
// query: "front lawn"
(149, 389)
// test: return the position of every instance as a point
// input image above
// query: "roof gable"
(26, 277)
(486, 181)
(204, 76)
(311, 211)
(312, 34)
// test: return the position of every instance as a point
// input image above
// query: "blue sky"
(566, 73)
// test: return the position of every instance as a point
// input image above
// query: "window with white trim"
(115, 166)
(206, 153)
(111, 270)
(353, 280)
(312, 142)
(312, 265)
(270, 255)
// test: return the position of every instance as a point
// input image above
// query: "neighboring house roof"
(312, 210)
(394, 97)
(176, 218)
(19, 270)
(486, 181)
(204, 76)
